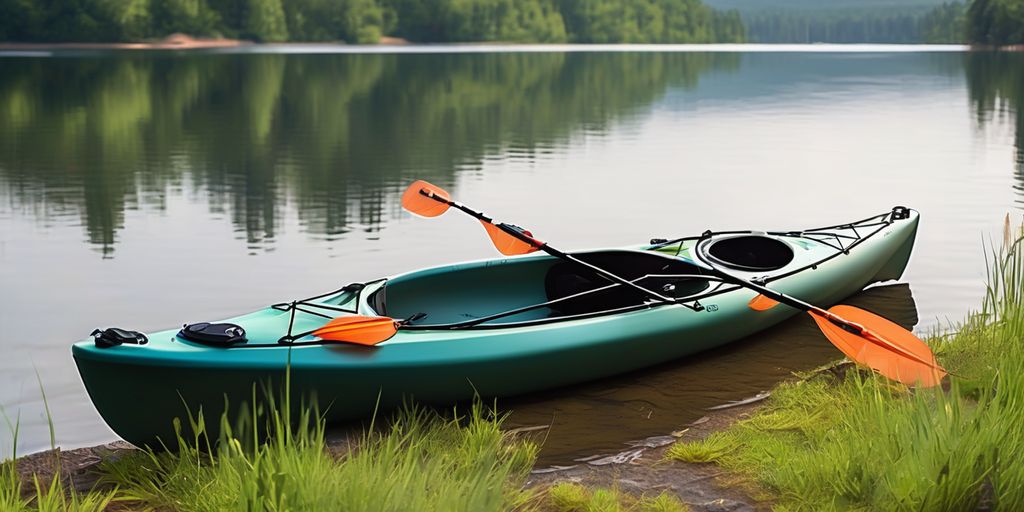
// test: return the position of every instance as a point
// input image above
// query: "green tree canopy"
(264, 21)
(365, 21)
(996, 22)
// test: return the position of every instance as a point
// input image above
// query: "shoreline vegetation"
(216, 22)
(367, 21)
(180, 42)
(171, 42)
(834, 439)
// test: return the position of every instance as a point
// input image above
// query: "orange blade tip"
(506, 243)
(762, 303)
(895, 353)
(362, 330)
(414, 200)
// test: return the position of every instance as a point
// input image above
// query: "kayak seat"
(566, 279)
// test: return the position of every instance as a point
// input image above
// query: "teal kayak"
(493, 328)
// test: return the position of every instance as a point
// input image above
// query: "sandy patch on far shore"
(171, 42)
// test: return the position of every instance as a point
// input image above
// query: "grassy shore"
(853, 440)
(421, 461)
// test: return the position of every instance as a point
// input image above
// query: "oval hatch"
(754, 253)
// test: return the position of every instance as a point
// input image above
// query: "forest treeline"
(942, 24)
(996, 22)
(993, 22)
(365, 21)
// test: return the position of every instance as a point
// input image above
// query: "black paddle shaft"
(520, 235)
(767, 292)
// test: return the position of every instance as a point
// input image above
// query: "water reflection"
(995, 82)
(333, 134)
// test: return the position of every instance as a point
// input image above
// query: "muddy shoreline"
(642, 469)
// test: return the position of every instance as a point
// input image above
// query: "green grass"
(570, 497)
(421, 462)
(712, 447)
(862, 442)
(43, 496)
(46, 497)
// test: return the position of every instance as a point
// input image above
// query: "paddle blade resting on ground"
(416, 202)
(506, 243)
(888, 348)
(362, 330)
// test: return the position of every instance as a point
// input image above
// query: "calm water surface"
(146, 190)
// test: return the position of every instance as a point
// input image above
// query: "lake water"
(145, 190)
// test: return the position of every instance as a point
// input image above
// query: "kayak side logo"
(711, 308)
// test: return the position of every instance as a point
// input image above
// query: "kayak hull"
(140, 390)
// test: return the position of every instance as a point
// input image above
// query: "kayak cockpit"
(536, 288)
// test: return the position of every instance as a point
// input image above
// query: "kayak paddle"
(866, 338)
(427, 200)
(358, 329)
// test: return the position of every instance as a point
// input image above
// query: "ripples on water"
(129, 180)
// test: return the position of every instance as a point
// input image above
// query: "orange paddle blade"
(416, 202)
(506, 243)
(887, 348)
(362, 330)
(762, 303)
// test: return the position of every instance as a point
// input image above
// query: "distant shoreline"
(185, 42)
(172, 42)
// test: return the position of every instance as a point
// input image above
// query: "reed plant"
(861, 442)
